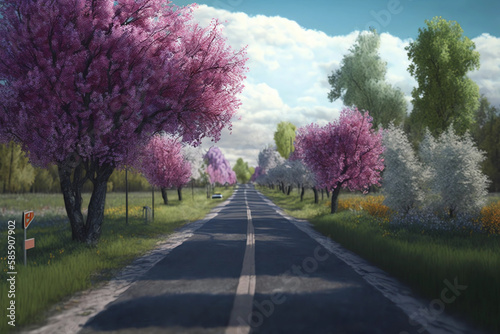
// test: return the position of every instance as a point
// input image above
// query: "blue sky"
(293, 46)
(401, 18)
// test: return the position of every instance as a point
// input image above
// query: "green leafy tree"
(242, 171)
(16, 173)
(136, 182)
(413, 130)
(284, 138)
(360, 82)
(441, 56)
(46, 180)
(251, 170)
(486, 132)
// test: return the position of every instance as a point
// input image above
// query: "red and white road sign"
(28, 218)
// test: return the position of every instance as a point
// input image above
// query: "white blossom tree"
(195, 157)
(405, 177)
(288, 174)
(304, 177)
(455, 166)
(269, 158)
(281, 175)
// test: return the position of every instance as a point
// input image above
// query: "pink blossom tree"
(85, 83)
(218, 168)
(345, 153)
(163, 164)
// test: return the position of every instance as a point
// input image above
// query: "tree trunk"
(90, 230)
(322, 194)
(164, 195)
(327, 193)
(95, 214)
(289, 190)
(335, 199)
(126, 196)
(179, 193)
(72, 193)
(302, 193)
(315, 191)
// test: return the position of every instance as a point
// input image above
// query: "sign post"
(30, 243)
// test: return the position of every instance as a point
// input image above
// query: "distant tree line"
(17, 175)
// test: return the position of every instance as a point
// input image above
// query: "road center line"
(243, 301)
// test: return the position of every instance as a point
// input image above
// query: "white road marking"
(243, 300)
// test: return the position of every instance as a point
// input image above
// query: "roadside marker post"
(30, 243)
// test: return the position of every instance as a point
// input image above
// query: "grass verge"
(422, 261)
(58, 267)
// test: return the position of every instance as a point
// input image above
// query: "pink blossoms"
(163, 164)
(86, 83)
(345, 153)
(218, 168)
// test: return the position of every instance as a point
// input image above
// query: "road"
(250, 269)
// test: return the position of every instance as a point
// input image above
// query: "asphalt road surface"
(249, 269)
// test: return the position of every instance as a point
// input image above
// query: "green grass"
(493, 197)
(58, 267)
(420, 260)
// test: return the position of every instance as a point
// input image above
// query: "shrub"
(490, 218)
(373, 205)
(455, 166)
(426, 222)
(405, 178)
(431, 223)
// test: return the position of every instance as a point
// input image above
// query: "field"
(58, 267)
(421, 256)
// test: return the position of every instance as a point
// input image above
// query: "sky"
(293, 46)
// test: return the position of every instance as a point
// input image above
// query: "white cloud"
(289, 68)
(392, 50)
(488, 75)
(260, 98)
(306, 99)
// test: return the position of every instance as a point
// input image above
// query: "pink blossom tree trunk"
(179, 193)
(164, 195)
(72, 181)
